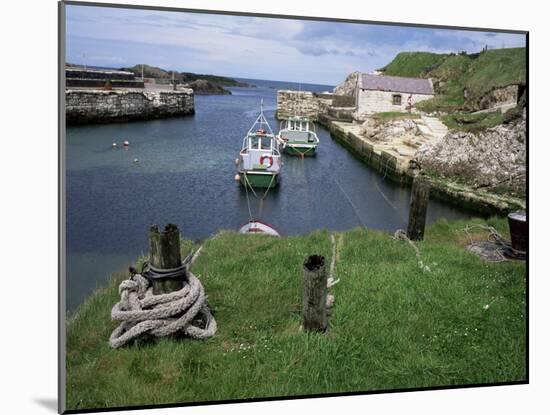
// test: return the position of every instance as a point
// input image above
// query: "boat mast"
(261, 120)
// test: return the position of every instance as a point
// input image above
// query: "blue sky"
(254, 47)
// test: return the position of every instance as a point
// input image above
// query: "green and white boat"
(259, 162)
(298, 137)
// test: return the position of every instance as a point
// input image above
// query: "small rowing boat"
(257, 227)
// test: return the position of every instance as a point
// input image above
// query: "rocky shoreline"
(403, 168)
(493, 159)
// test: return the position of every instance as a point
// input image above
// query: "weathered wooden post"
(420, 194)
(314, 308)
(165, 257)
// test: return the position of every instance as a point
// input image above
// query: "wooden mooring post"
(165, 256)
(314, 309)
(420, 194)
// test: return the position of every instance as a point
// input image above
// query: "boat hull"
(259, 180)
(256, 227)
(299, 150)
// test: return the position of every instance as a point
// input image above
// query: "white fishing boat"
(259, 162)
(297, 136)
(258, 227)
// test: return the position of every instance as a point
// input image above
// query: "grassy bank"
(453, 74)
(394, 116)
(392, 326)
(472, 122)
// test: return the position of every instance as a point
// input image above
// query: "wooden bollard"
(165, 254)
(420, 194)
(314, 308)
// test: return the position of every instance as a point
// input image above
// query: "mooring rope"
(505, 248)
(261, 199)
(351, 203)
(331, 280)
(252, 188)
(401, 235)
(142, 313)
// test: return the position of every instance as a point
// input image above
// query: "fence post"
(420, 194)
(165, 254)
(314, 309)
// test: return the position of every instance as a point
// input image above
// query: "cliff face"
(348, 87)
(97, 106)
(493, 159)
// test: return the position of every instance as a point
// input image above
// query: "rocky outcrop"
(348, 87)
(494, 159)
(204, 87)
(100, 106)
(495, 98)
(389, 131)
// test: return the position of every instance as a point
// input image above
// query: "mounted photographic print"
(258, 207)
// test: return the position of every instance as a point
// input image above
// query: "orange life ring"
(266, 156)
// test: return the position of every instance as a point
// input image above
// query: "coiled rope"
(144, 314)
(503, 249)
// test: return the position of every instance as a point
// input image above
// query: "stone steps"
(432, 127)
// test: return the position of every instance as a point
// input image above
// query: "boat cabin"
(260, 152)
(297, 130)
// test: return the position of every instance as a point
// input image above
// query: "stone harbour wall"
(100, 106)
(399, 169)
(297, 102)
(304, 103)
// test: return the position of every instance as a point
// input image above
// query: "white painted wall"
(369, 102)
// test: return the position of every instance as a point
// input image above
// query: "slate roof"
(396, 84)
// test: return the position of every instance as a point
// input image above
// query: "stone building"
(381, 93)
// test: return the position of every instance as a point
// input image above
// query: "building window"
(396, 99)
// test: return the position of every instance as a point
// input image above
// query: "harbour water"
(184, 174)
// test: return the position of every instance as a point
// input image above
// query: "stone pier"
(103, 106)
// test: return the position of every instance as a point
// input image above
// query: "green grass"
(392, 326)
(453, 74)
(472, 122)
(391, 116)
(414, 64)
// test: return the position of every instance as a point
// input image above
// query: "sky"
(315, 52)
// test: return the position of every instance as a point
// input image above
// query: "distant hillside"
(183, 77)
(461, 80)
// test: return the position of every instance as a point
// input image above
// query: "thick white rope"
(331, 280)
(161, 315)
(401, 235)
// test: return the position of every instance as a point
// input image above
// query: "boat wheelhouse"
(298, 137)
(259, 160)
